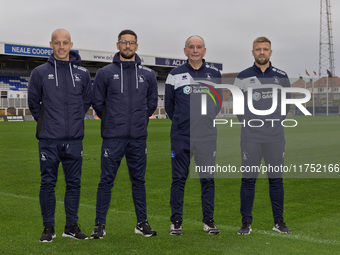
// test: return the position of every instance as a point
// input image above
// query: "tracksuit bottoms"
(273, 155)
(181, 153)
(70, 154)
(113, 152)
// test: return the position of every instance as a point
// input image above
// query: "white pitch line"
(227, 227)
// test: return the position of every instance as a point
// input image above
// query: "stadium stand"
(15, 69)
(14, 83)
(18, 60)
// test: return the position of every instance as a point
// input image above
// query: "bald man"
(59, 95)
(191, 136)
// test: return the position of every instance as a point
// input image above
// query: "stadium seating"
(14, 83)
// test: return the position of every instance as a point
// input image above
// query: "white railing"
(13, 102)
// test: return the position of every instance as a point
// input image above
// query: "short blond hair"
(262, 39)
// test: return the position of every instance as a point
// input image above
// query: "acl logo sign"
(238, 99)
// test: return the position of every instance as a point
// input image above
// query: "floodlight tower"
(326, 53)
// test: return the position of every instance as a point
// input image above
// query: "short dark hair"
(127, 32)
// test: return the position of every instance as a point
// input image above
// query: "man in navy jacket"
(261, 137)
(59, 95)
(192, 134)
(125, 95)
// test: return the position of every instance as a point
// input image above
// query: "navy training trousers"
(204, 155)
(273, 155)
(70, 154)
(113, 152)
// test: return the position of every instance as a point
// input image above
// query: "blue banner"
(28, 50)
(179, 62)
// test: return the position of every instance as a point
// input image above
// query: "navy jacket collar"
(74, 59)
(199, 69)
(258, 69)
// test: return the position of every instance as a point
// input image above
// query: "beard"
(127, 56)
(262, 61)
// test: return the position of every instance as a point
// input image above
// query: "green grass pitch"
(312, 205)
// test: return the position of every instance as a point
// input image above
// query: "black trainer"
(211, 228)
(245, 229)
(176, 228)
(48, 234)
(98, 231)
(144, 229)
(74, 231)
(281, 227)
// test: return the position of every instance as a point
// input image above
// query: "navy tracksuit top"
(125, 94)
(183, 102)
(262, 84)
(59, 95)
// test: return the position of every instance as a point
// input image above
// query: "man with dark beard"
(124, 96)
(264, 140)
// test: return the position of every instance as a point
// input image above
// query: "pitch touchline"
(262, 232)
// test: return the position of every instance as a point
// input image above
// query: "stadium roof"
(15, 50)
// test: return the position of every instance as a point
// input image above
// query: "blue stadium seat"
(14, 83)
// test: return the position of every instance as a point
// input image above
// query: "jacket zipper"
(129, 99)
(66, 103)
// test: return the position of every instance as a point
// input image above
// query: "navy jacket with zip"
(262, 84)
(183, 102)
(59, 95)
(125, 95)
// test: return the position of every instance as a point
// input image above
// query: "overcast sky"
(228, 27)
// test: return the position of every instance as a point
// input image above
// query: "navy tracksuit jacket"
(59, 95)
(191, 132)
(125, 94)
(267, 141)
